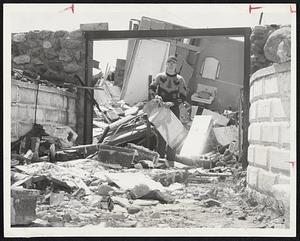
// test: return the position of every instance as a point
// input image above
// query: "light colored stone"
(264, 110)
(22, 59)
(252, 112)
(254, 132)
(271, 85)
(104, 190)
(70, 68)
(19, 37)
(278, 112)
(47, 45)
(252, 173)
(266, 180)
(270, 133)
(44, 34)
(278, 46)
(64, 56)
(284, 137)
(261, 156)
(257, 88)
(279, 160)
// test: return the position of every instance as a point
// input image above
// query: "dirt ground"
(228, 207)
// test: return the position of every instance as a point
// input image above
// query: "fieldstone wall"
(269, 131)
(56, 57)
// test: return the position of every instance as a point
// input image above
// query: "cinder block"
(261, 157)
(264, 110)
(251, 153)
(65, 102)
(278, 113)
(255, 133)
(266, 180)
(279, 160)
(27, 96)
(270, 133)
(258, 89)
(284, 138)
(63, 117)
(57, 100)
(252, 174)
(44, 98)
(271, 85)
(14, 93)
(252, 112)
(40, 116)
(71, 117)
(282, 179)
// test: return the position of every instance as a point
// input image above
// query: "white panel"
(149, 59)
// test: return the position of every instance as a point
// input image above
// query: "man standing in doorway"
(169, 88)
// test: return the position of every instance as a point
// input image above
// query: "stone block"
(261, 157)
(271, 85)
(77, 34)
(252, 174)
(263, 110)
(22, 59)
(44, 34)
(24, 127)
(254, 134)
(14, 130)
(57, 101)
(63, 117)
(32, 43)
(251, 152)
(257, 89)
(279, 160)
(94, 27)
(266, 180)
(60, 33)
(71, 117)
(52, 115)
(40, 116)
(282, 179)
(14, 112)
(50, 53)
(270, 133)
(252, 112)
(44, 98)
(37, 61)
(251, 93)
(19, 37)
(36, 52)
(278, 112)
(23, 205)
(14, 93)
(71, 43)
(64, 56)
(284, 137)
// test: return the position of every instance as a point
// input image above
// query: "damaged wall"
(230, 53)
(269, 131)
(55, 56)
(55, 107)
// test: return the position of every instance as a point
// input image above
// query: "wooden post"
(148, 132)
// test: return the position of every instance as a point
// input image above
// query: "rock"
(60, 33)
(229, 212)
(77, 34)
(32, 35)
(104, 190)
(242, 216)
(260, 218)
(36, 52)
(83, 209)
(47, 45)
(66, 217)
(55, 65)
(155, 215)
(140, 190)
(22, 59)
(138, 166)
(96, 201)
(71, 43)
(51, 54)
(133, 209)
(32, 44)
(69, 68)
(77, 55)
(140, 202)
(44, 34)
(211, 202)
(37, 61)
(278, 46)
(64, 56)
(19, 37)
(121, 201)
(56, 44)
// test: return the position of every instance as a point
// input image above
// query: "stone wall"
(54, 107)
(56, 57)
(269, 132)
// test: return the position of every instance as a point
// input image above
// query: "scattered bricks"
(251, 152)
(252, 112)
(270, 133)
(271, 85)
(261, 157)
(279, 160)
(23, 205)
(117, 155)
(252, 174)
(263, 110)
(254, 134)
(266, 180)
(257, 88)
(278, 113)
(284, 137)
(282, 179)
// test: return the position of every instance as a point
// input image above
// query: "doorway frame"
(91, 36)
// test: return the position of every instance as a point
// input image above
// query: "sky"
(26, 17)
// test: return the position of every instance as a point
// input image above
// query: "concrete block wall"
(55, 107)
(269, 131)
